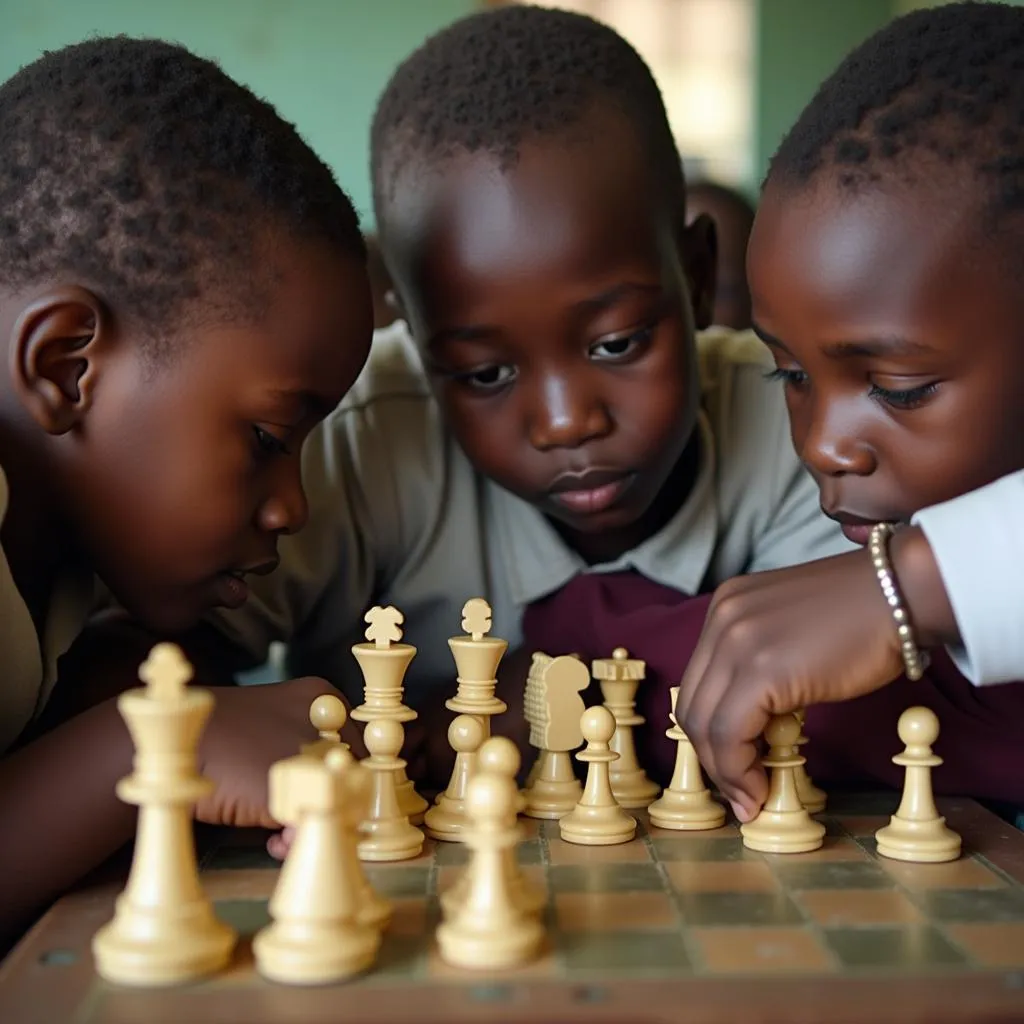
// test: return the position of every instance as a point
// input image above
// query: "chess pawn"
(917, 832)
(316, 936)
(619, 678)
(476, 661)
(488, 929)
(813, 798)
(389, 835)
(597, 820)
(686, 804)
(384, 662)
(783, 826)
(164, 930)
(447, 820)
(327, 715)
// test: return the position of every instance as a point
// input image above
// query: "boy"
(886, 280)
(183, 296)
(553, 416)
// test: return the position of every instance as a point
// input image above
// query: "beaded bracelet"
(914, 661)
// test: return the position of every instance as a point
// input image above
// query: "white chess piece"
(164, 930)
(783, 826)
(917, 832)
(389, 835)
(447, 819)
(686, 804)
(327, 715)
(476, 662)
(317, 933)
(813, 798)
(597, 820)
(488, 929)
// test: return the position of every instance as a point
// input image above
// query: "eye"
(790, 378)
(487, 378)
(616, 350)
(267, 444)
(904, 398)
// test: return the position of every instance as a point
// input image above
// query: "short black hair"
(148, 171)
(945, 83)
(500, 77)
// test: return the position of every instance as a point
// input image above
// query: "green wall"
(321, 62)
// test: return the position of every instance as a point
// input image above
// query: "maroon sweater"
(851, 743)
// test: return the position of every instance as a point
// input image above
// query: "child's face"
(187, 474)
(552, 305)
(896, 324)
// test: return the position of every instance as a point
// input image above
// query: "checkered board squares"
(673, 904)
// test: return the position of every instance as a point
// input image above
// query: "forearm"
(59, 814)
(923, 589)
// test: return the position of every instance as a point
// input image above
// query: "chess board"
(668, 926)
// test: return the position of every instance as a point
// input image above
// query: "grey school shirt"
(399, 516)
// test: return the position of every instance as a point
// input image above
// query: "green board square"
(895, 948)
(977, 905)
(247, 917)
(401, 957)
(237, 858)
(398, 882)
(840, 874)
(738, 908)
(700, 848)
(605, 878)
(635, 952)
(449, 854)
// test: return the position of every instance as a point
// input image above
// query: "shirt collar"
(538, 562)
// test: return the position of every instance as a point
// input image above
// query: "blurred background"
(734, 73)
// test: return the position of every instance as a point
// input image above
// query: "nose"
(833, 446)
(567, 414)
(285, 508)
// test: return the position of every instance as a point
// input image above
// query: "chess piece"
(620, 677)
(389, 835)
(813, 798)
(447, 820)
(164, 930)
(499, 756)
(686, 804)
(488, 929)
(783, 826)
(383, 662)
(316, 935)
(597, 820)
(476, 660)
(917, 832)
(553, 706)
(327, 715)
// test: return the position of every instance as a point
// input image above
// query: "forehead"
(875, 257)
(565, 204)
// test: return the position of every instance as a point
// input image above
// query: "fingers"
(280, 843)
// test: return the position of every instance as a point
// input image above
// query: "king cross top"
(165, 672)
(476, 617)
(384, 622)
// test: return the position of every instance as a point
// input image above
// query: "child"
(183, 296)
(544, 409)
(885, 273)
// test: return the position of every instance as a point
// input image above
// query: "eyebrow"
(865, 348)
(593, 304)
(308, 401)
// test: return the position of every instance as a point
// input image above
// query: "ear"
(53, 355)
(697, 243)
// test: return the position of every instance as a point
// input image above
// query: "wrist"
(923, 590)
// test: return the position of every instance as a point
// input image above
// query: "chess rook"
(917, 832)
(619, 677)
(164, 930)
(686, 804)
(783, 826)
(476, 661)
(597, 820)
(447, 820)
(383, 661)
(553, 706)
(319, 933)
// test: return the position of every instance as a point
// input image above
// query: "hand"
(775, 642)
(252, 727)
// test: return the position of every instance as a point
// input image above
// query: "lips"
(857, 529)
(589, 491)
(231, 589)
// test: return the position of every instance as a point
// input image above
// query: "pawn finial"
(465, 734)
(489, 798)
(782, 731)
(597, 725)
(918, 729)
(499, 755)
(383, 737)
(327, 715)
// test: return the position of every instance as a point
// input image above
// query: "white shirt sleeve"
(978, 544)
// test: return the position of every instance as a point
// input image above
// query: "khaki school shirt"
(399, 516)
(29, 663)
